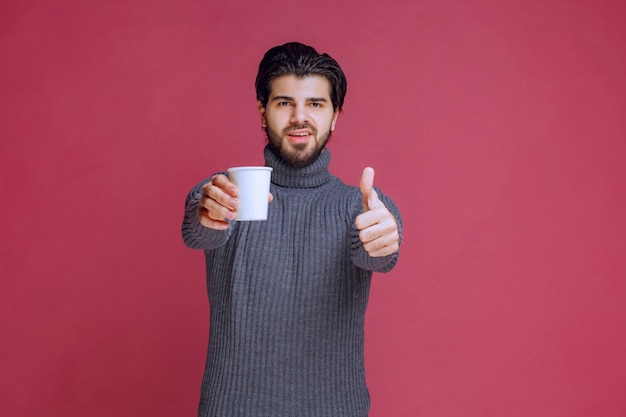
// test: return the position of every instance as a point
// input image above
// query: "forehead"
(300, 87)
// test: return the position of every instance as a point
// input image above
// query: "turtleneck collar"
(309, 176)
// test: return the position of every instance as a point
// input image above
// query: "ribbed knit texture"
(287, 300)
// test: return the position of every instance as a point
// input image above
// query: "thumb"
(367, 189)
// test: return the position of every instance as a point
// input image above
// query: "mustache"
(298, 126)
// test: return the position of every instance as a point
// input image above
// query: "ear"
(334, 122)
(262, 113)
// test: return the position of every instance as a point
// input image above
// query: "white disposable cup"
(253, 184)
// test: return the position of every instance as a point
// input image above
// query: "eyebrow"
(288, 98)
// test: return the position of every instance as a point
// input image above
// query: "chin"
(298, 159)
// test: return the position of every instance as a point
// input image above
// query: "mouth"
(299, 135)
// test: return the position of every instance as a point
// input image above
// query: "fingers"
(205, 220)
(218, 203)
(377, 249)
(221, 186)
(380, 236)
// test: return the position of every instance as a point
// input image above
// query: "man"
(288, 295)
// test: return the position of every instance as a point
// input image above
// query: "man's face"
(299, 117)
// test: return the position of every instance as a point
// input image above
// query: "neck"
(312, 175)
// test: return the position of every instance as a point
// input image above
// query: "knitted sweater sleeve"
(195, 235)
(360, 257)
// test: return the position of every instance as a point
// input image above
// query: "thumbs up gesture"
(378, 227)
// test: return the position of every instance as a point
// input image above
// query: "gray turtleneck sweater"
(287, 300)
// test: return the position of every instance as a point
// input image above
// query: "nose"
(299, 114)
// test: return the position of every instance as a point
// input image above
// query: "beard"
(298, 155)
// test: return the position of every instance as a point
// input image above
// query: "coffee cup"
(253, 183)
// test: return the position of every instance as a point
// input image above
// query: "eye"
(316, 104)
(284, 103)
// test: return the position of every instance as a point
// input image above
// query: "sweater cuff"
(195, 235)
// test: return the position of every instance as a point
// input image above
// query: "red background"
(497, 126)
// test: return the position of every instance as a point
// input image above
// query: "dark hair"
(300, 60)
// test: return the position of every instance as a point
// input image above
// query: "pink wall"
(498, 127)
